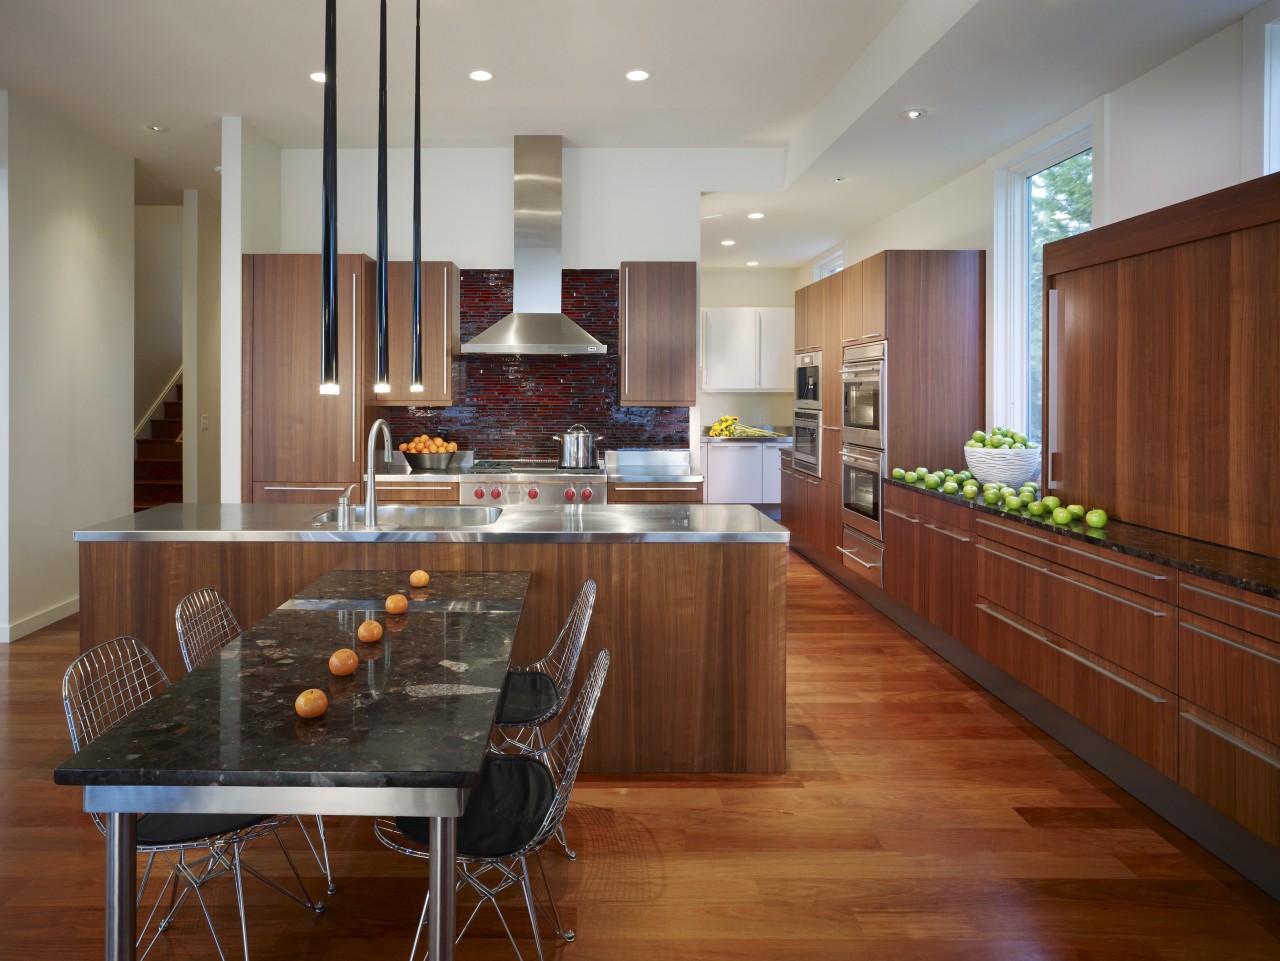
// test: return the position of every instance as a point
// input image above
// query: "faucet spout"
(370, 477)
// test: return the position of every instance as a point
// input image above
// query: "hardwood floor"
(919, 819)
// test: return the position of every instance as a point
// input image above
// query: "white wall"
(207, 399)
(157, 285)
(70, 357)
(5, 354)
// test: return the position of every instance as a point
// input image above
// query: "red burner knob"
(495, 493)
(479, 493)
(569, 493)
(586, 493)
(533, 493)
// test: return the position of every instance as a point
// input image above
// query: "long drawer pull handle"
(1075, 550)
(905, 517)
(1074, 583)
(666, 487)
(1231, 600)
(1230, 739)
(1074, 656)
(943, 530)
(1230, 643)
(268, 487)
(852, 556)
(405, 487)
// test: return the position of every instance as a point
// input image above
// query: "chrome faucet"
(370, 480)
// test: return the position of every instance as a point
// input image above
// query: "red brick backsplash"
(511, 407)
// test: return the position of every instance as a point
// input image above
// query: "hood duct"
(536, 325)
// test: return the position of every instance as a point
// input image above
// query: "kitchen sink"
(420, 516)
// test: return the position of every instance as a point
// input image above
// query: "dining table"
(405, 735)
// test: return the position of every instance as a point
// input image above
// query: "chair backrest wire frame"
(561, 661)
(205, 624)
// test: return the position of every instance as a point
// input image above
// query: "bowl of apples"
(1002, 456)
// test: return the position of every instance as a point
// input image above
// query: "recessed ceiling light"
(727, 243)
(755, 216)
(480, 75)
(915, 113)
(753, 263)
(838, 180)
(318, 76)
(637, 75)
(156, 128)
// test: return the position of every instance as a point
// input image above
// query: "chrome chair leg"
(321, 854)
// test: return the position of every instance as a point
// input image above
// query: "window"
(1044, 196)
(832, 264)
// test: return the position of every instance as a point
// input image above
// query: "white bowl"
(1005, 466)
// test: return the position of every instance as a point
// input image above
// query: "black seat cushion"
(528, 697)
(161, 829)
(503, 813)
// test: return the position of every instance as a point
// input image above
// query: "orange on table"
(369, 631)
(343, 661)
(397, 604)
(419, 579)
(311, 703)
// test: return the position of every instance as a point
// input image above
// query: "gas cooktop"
(527, 467)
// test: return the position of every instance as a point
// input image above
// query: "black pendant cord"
(415, 377)
(381, 383)
(329, 209)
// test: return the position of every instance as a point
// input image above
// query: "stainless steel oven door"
(862, 422)
(809, 380)
(862, 471)
(806, 450)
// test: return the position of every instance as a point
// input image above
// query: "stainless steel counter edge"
(656, 478)
(612, 523)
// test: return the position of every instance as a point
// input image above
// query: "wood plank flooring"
(919, 819)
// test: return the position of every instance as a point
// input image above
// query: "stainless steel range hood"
(536, 326)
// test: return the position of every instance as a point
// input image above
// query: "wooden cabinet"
(658, 334)
(830, 291)
(440, 340)
(283, 492)
(747, 348)
(808, 320)
(877, 296)
(653, 493)
(1231, 769)
(418, 492)
(803, 511)
(294, 436)
(929, 561)
(1162, 334)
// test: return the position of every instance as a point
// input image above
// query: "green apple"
(1020, 438)
(1051, 502)
(1027, 496)
(1016, 446)
(972, 443)
(991, 496)
(1013, 502)
(921, 471)
(1036, 508)
(899, 473)
(950, 487)
(948, 472)
(909, 477)
(970, 493)
(1096, 517)
(931, 481)
(1077, 511)
(978, 436)
(1062, 516)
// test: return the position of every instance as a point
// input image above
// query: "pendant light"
(329, 209)
(381, 384)
(415, 375)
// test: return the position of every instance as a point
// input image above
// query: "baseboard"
(1240, 849)
(29, 625)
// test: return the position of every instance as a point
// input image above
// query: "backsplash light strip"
(511, 407)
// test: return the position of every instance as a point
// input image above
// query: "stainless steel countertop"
(596, 523)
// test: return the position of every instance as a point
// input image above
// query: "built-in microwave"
(862, 383)
(862, 471)
(809, 380)
(806, 449)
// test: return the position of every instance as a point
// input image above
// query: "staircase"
(157, 464)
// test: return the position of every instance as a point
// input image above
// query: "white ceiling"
(825, 79)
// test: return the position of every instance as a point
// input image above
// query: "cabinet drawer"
(1114, 568)
(1137, 715)
(933, 507)
(1125, 627)
(1230, 769)
(418, 493)
(285, 492)
(655, 493)
(1231, 673)
(1251, 612)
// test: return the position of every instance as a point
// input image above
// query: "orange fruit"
(369, 631)
(451, 447)
(343, 661)
(397, 604)
(311, 703)
(419, 579)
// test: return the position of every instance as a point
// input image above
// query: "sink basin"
(421, 516)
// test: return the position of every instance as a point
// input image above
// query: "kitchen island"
(691, 604)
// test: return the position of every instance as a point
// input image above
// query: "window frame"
(1010, 249)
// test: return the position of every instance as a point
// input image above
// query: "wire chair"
(105, 685)
(501, 828)
(206, 624)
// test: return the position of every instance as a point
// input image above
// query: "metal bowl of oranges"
(425, 452)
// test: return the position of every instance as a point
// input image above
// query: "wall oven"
(862, 384)
(862, 471)
(809, 380)
(806, 450)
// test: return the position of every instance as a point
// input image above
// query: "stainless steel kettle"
(577, 448)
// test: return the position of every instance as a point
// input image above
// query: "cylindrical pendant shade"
(382, 377)
(329, 209)
(415, 375)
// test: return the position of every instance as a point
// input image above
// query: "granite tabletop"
(416, 713)
(1249, 572)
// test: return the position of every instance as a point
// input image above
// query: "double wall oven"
(806, 454)
(862, 457)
